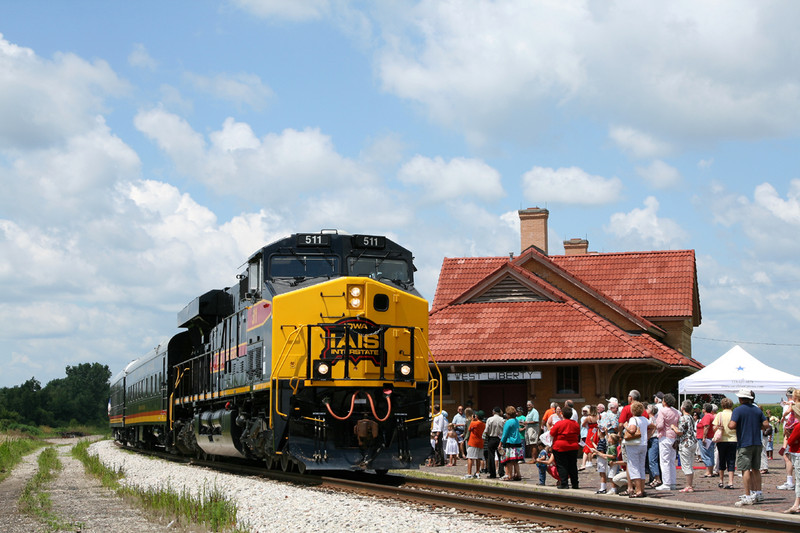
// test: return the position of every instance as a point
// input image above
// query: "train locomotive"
(317, 358)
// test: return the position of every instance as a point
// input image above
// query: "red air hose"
(352, 406)
(372, 406)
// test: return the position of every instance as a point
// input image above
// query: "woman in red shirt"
(566, 434)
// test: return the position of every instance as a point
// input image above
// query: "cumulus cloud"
(768, 221)
(660, 175)
(70, 180)
(685, 72)
(788, 210)
(637, 143)
(642, 227)
(241, 89)
(235, 161)
(570, 185)
(42, 101)
(445, 180)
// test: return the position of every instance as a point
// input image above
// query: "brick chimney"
(576, 247)
(533, 228)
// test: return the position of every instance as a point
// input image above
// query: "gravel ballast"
(271, 506)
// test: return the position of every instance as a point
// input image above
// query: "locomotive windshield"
(379, 268)
(303, 266)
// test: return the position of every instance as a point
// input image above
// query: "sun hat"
(745, 393)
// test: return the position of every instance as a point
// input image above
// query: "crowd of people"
(635, 447)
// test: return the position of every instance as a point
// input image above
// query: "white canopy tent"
(736, 369)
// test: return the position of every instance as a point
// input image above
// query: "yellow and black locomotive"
(316, 359)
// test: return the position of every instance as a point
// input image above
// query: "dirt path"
(77, 498)
(12, 520)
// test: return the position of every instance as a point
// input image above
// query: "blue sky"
(148, 148)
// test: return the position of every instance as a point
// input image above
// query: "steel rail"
(558, 508)
(687, 515)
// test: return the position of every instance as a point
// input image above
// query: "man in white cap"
(748, 420)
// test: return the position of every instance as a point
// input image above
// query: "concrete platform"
(706, 490)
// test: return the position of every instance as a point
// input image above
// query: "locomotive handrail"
(178, 379)
(434, 383)
(279, 366)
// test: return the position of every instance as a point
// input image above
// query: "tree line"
(80, 398)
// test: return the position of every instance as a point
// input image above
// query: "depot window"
(568, 380)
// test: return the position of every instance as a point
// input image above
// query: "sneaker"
(758, 497)
(785, 486)
(476, 476)
(745, 500)
(664, 487)
(468, 476)
(601, 491)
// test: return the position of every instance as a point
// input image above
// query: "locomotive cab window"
(379, 268)
(303, 266)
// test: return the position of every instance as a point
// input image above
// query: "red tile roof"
(651, 284)
(656, 284)
(460, 273)
(535, 331)
(640, 284)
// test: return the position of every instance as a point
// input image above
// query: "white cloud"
(457, 178)
(660, 175)
(643, 227)
(685, 72)
(570, 186)
(637, 143)
(139, 57)
(766, 197)
(241, 89)
(236, 162)
(68, 181)
(280, 9)
(43, 101)
(768, 222)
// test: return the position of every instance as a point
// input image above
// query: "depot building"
(583, 326)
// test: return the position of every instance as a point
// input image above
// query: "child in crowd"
(541, 461)
(546, 462)
(606, 453)
(451, 444)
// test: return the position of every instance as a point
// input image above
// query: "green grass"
(210, 508)
(13, 450)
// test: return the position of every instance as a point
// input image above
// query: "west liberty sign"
(510, 375)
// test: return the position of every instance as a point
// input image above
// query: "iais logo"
(360, 338)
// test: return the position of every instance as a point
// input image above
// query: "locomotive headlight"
(403, 371)
(322, 370)
(354, 296)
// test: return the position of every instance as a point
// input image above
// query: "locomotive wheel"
(301, 467)
(381, 471)
(285, 462)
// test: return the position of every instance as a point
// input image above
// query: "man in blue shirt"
(748, 420)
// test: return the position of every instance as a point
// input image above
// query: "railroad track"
(554, 509)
